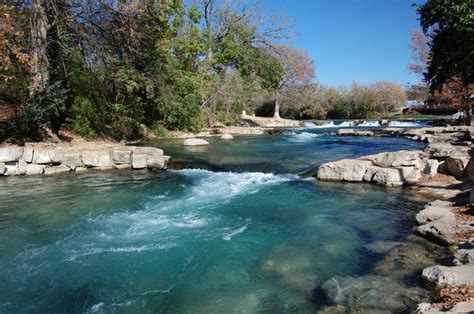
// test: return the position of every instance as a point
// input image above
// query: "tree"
(388, 95)
(450, 26)
(298, 69)
(420, 48)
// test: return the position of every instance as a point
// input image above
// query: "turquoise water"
(258, 239)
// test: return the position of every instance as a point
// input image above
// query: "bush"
(86, 117)
(44, 109)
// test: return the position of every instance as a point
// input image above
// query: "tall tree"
(298, 69)
(450, 26)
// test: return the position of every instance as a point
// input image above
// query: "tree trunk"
(277, 104)
(208, 12)
(39, 32)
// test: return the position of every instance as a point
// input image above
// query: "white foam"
(405, 124)
(303, 136)
(310, 125)
(369, 124)
(229, 235)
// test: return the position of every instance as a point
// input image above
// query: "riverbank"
(443, 171)
(77, 156)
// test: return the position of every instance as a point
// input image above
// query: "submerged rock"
(226, 136)
(195, 142)
(372, 292)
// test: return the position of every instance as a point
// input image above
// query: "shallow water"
(258, 239)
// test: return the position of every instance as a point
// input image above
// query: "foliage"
(450, 26)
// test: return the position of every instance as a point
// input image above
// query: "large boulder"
(455, 275)
(34, 169)
(97, 158)
(434, 211)
(149, 151)
(444, 231)
(22, 167)
(122, 155)
(444, 150)
(44, 155)
(10, 153)
(392, 176)
(49, 170)
(403, 158)
(345, 132)
(139, 161)
(28, 154)
(352, 170)
(430, 167)
(11, 169)
(157, 162)
(195, 142)
(457, 163)
(73, 159)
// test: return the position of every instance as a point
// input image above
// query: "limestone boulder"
(10, 153)
(464, 255)
(443, 231)
(226, 136)
(434, 211)
(28, 154)
(195, 142)
(430, 166)
(455, 275)
(122, 155)
(345, 132)
(34, 169)
(157, 162)
(50, 170)
(139, 161)
(97, 158)
(403, 158)
(149, 151)
(2, 168)
(444, 150)
(352, 170)
(457, 164)
(22, 167)
(11, 169)
(44, 156)
(392, 176)
(73, 159)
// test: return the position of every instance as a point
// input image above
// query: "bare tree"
(298, 70)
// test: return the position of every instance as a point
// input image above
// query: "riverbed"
(251, 231)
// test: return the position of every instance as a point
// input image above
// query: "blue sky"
(361, 40)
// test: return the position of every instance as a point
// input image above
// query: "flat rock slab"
(455, 275)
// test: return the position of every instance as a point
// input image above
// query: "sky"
(361, 40)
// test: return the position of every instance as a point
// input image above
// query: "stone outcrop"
(389, 169)
(38, 159)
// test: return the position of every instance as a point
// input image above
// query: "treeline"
(105, 67)
(355, 101)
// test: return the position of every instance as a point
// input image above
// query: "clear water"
(258, 239)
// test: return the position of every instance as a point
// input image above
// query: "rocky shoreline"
(78, 157)
(444, 172)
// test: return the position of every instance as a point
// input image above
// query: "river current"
(251, 231)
